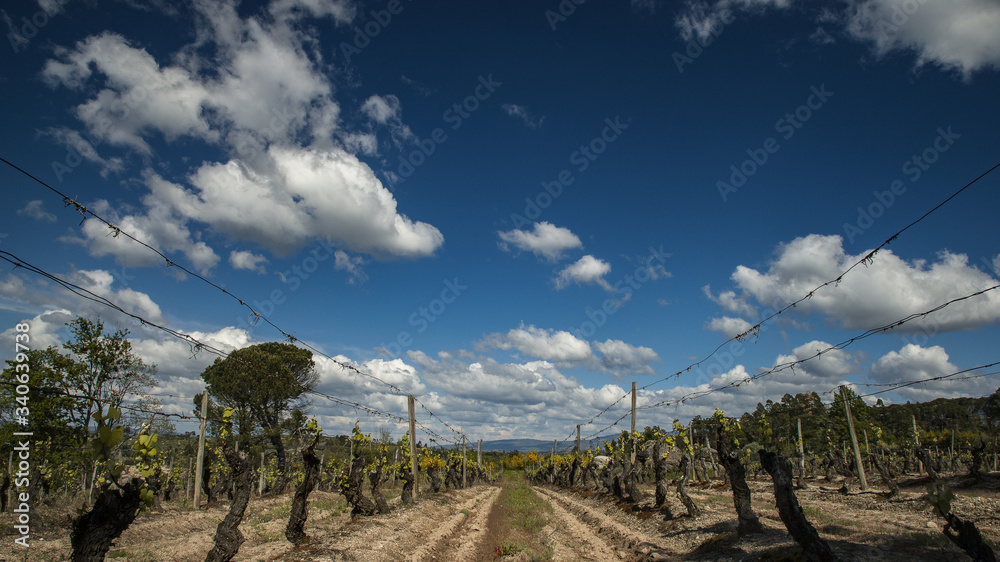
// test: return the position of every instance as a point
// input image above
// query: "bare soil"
(454, 525)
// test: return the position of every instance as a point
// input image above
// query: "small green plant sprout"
(939, 497)
(313, 427)
(227, 423)
(406, 464)
(681, 440)
(730, 426)
(146, 462)
(108, 437)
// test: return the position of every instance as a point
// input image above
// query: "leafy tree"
(991, 410)
(264, 382)
(44, 374)
(104, 368)
(100, 367)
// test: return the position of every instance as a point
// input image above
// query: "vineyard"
(717, 489)
(340, 280)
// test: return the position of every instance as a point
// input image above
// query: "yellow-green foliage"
(429, 459)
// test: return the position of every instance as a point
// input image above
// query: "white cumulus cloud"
(250, 261)
(588, 270)
(544, 240)
(886, 290)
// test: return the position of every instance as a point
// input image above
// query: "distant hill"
(539, 445)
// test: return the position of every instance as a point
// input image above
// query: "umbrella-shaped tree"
(265, 381)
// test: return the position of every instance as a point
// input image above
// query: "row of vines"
(729, 449)
(123, 486)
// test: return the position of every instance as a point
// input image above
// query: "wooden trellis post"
(916, 439)
(414, 464)
(200, 464)
(263, 469)
(633, 421)
(854, 441)
(802, 455)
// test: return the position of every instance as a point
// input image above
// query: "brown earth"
(455, 525)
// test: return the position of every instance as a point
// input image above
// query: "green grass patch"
(141, 556)
(336, 504)
(717, 499)
(280, 512)
(516, 522)
(526, 510)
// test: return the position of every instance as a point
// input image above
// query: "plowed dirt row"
(459, 536)
(594, 527)
(431, 530)
(572, 539)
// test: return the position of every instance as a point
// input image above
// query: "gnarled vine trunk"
(660, 474)
(279, 452)
(747, 521)
(434, 478)
(114, 510)
(377, 477)
(406, 497)
(886, 476)
(228, 537)
(693, 510)
(925, 457)
(297, 519)
(814, 547)
(966, 536)
(354, 489)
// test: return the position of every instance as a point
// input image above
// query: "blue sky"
(513, 210)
